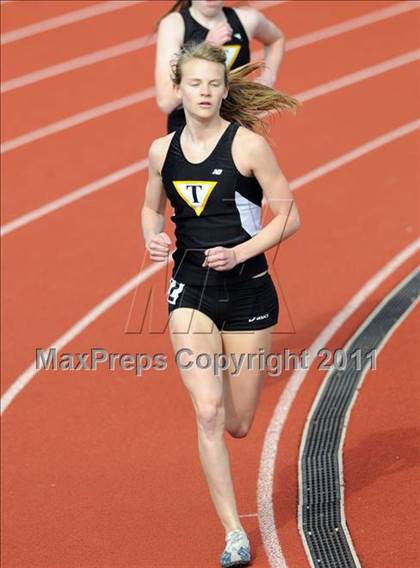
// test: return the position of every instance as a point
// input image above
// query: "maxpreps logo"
(195, 193)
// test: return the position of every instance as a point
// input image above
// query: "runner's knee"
(211, 417)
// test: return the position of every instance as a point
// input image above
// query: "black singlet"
(237, 50)
(214, 205)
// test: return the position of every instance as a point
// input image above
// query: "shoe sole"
(238, 563)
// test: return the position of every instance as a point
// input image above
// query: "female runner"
(221, 297)
(210, 21)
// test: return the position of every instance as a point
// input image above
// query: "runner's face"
(202, 87)
(208, 8)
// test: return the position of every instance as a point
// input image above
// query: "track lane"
(388, 184)
(379, 483)
(56, 22)
(99, 32)
(18, 14)
(293, 418)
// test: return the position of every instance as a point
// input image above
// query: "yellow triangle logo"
(232, 52)
(195, 193)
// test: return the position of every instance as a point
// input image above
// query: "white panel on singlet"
(250, 214)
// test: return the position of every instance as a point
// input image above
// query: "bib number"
(174, 291)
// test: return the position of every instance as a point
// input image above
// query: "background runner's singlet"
(215, 205)
(237, 50)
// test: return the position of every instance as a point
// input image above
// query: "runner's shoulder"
(158, 150)
(249, 18)
(249, 141)
(172, 23)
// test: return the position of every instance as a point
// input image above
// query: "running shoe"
(237, 551)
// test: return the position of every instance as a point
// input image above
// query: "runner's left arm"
(264, 166)
(263, 30)
(259, 160)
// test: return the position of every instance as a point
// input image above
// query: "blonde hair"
(246, 99)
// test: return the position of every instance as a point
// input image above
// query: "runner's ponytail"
(248, 102)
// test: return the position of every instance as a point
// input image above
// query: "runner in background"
(211, 21)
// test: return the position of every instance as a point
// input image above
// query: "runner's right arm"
(153, 211)
(169, 40)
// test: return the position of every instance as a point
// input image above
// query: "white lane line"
(265, 509)
(78, 63)
(138, 166)
(76, 119)
(357, 76)
(78, 327)
(147, 94)
(61, 202)
(264, 4)
(349, 25)
(265, 481)
(356, 153)
(139, 43)
(66, 19)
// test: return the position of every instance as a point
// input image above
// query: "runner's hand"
(220, 34)
(158, 247)
(220, 258)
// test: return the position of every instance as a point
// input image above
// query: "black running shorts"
(245, 306)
